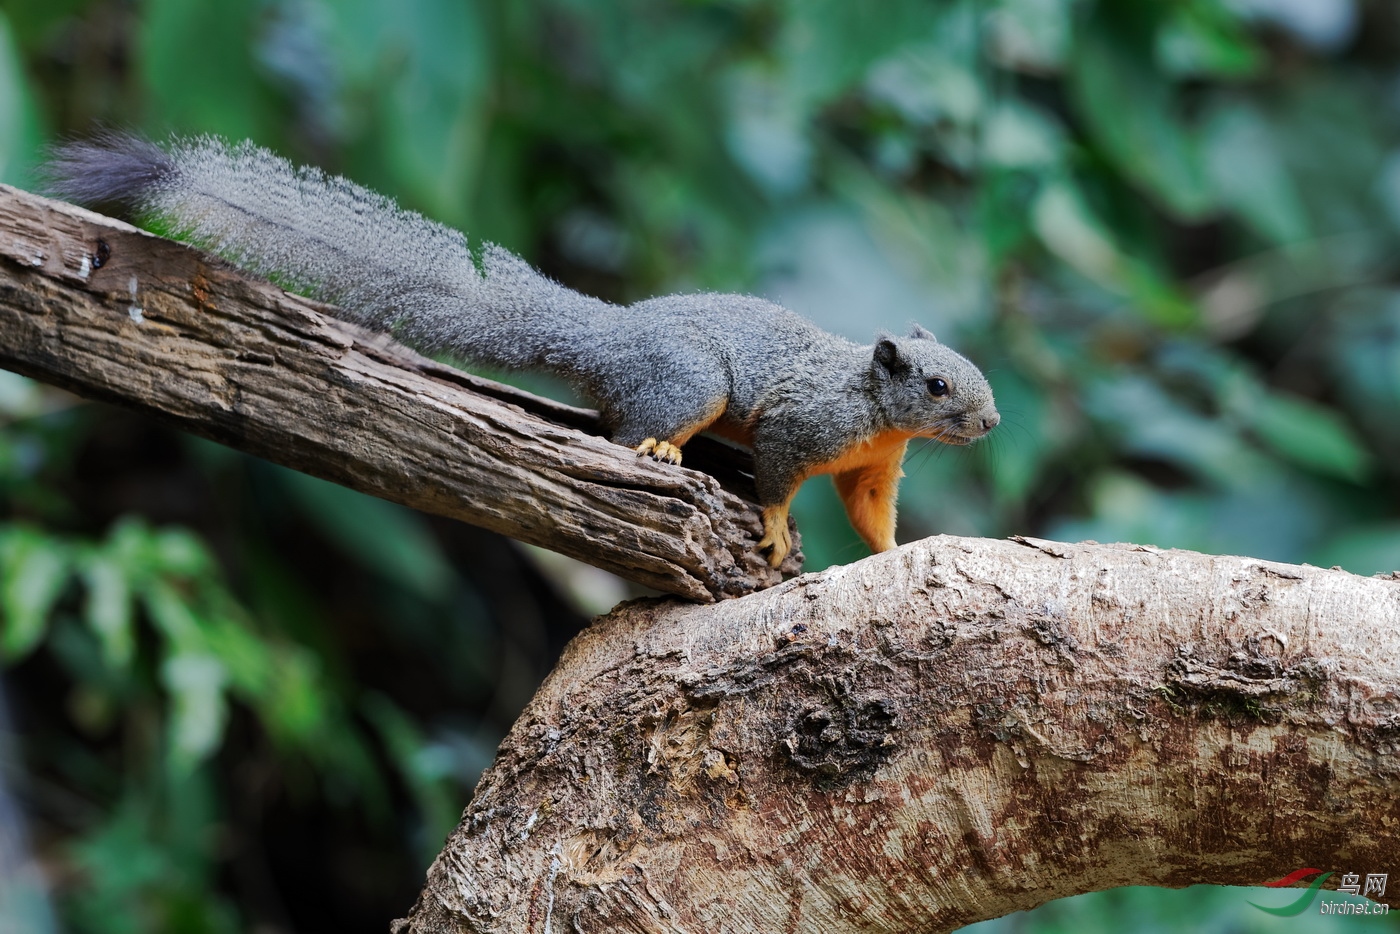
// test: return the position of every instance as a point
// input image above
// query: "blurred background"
(239, 699)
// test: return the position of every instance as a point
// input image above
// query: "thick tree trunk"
(110, 313)
(937, 735)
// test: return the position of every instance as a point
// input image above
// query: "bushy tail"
(326, 237)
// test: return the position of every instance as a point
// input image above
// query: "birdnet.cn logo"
(1351, 884)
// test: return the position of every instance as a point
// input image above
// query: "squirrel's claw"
(775, 534)
(663, 451)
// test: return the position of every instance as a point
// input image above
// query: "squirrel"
(805, 401)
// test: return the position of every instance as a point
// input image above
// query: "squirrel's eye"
(938, 386)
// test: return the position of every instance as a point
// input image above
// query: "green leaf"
(173, 617)
(1311, 435)
(1129, 107)
(825, 46)
(179, 552)
(1365, 359)
(33, 22)
(934, 83)
(295, 706)
(34, 568)
(107, 610)
(194, 62)
(1151, 423)
(19, 137)
(1243, 158)
(246, 656)
(1030, 35)
(119, 858)
(129, 545)
(198, 711)
(423, 70)
(926, 86)
(1003, 202)
(1203, 40)
(1070, 230)
(1020, 136)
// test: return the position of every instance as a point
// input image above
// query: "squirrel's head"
(929, 390)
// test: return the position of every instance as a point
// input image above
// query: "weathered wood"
(937, 735)
(112, 313)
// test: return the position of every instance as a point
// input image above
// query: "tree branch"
(937, 735)
(111, 313)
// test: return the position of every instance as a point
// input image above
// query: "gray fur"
(110, 170)
(656, 368)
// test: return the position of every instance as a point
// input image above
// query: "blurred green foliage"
(1166, 230)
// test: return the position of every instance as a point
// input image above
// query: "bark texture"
(937, 735)
(111, 313)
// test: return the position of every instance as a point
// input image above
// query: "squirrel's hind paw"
(775, 534)
(663, 451)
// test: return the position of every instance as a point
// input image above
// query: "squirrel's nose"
(991, 421)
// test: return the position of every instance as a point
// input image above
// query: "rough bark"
(937, 735)
(111, 313)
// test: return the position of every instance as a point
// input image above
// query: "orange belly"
(877, 450)
(732, 430)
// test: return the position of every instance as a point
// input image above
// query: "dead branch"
(114, 314)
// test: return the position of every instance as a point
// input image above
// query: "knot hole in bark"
(841, 734)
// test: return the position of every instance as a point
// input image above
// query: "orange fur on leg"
(869, 494)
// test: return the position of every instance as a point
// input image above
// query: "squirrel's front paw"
(775, 534)
(661, 450)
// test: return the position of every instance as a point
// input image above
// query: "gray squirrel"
(805, 401)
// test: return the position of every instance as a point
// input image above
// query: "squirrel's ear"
(887, 355)
(918, 332)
